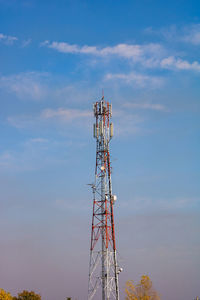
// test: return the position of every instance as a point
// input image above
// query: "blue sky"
(55, 59)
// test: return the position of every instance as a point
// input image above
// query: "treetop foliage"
(5, 295)
(26, 295)
(141, 291)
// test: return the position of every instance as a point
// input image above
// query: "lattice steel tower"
(103, 269)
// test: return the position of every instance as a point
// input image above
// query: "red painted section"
(103, 217)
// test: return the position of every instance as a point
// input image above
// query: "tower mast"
(103, 268)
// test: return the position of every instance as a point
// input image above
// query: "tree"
(26, 295)
(142, 291)
(5, 295)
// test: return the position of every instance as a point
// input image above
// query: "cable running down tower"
(103, 268)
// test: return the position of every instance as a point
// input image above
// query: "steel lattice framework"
(103, 269)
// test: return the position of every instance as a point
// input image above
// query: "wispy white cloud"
(48, 115)
(133, 52)
(6, 159)
(136, 79)
(176, 63)
(29, 85)
(38, 140)
(152, 55)
(23, 121)
(7, 39)
(192, 34)
(168, 33)
(65, 114)
(32, 154)
(26, 43)
(44, 86)
(146, 106)
(189, 33)
(128, 122)
(11, 160)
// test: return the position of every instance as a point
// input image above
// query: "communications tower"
(103, 268)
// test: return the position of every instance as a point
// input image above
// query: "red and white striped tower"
(103, 269)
